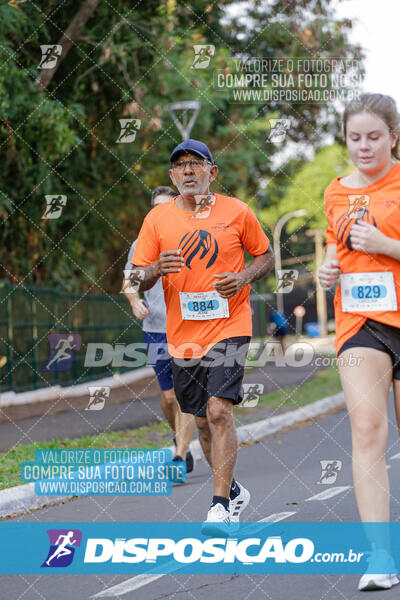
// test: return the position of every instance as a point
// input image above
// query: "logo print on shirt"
(358, 204)
(357, 211)
(204, 204)
(198, 241)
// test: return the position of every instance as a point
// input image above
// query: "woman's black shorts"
(218, 373)
(385, 338)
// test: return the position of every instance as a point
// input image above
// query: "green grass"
(325, 383)
(152, 437)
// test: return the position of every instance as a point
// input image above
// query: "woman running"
(363, 247)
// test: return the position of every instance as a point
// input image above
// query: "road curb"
(22, 498)
(55, 392)
(254, 432)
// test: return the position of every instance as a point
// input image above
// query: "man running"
(153, 313)
(196, 243)
(278, 328)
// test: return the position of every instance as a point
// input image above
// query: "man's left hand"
(229, 284)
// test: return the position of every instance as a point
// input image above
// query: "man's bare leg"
(218, 440)
(223, 443)
(168, 406)
(217, 436)
(184, 429)
(204, 437)
(182, 424)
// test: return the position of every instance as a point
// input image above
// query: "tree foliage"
(129, 61)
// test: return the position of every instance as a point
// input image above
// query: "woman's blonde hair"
(380, 105)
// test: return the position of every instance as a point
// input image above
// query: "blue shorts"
(280, 332)
(158, 358)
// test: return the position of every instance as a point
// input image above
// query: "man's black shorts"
(385, 338)
(218, 373)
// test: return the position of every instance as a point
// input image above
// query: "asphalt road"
(281, 472)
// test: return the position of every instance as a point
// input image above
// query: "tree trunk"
(70, 35)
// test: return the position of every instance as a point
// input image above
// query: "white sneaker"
(379, 581)
(217, 522)
(238, 504)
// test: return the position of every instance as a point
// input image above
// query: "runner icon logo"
(55, 205)
(251, 394)
(198, 242)
(129, 129)
(62, 547)
(132, 280)
(203, 206)
(358, 204)
(286, 279)
(329, 471)
(98, 397)
(357, 210)
(62, 351)
(279, 129)
(203, 54)
(50, 55)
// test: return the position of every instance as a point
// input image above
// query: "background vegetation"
(129, 60)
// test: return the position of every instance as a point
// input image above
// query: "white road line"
(395, 456)
(277, 517)
(329, 493)
(134, 583)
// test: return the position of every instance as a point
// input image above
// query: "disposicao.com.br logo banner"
(251, 548)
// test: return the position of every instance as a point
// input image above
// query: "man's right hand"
(328, 273)
(139, 308)
(169, 261)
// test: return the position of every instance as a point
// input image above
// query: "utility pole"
(184, 109)
(277, 251)
(317, 234)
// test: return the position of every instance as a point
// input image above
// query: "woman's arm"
(370, 239)
(330, 253)
(391, 247)
(329, 271)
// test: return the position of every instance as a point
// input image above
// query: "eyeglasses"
(195, 165)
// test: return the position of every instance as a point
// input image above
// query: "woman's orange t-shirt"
(211, 242)
(379, 205)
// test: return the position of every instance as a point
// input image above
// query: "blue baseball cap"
(192, 146)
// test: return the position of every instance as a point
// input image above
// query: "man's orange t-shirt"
(379, 205)
(212, 242)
